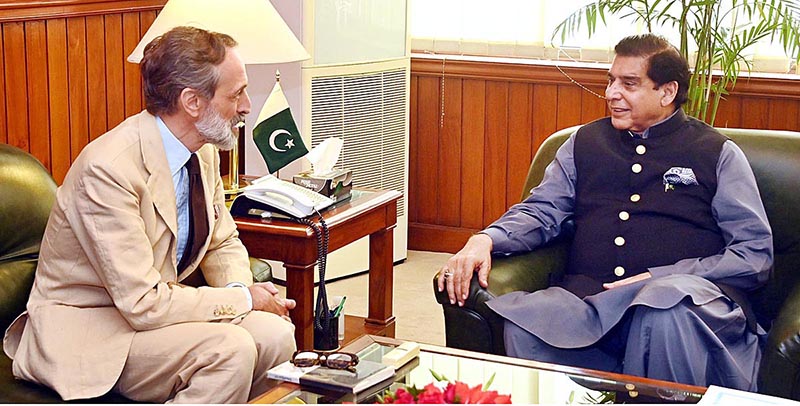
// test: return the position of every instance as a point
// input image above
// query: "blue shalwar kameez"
(677, 325)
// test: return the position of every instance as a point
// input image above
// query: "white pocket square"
(678, 176)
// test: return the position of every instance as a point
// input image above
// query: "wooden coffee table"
(526, 381)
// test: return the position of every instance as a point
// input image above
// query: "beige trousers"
(206, 362)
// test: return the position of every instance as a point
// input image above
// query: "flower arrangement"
(453, 392)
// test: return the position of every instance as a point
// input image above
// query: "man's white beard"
(215, 130)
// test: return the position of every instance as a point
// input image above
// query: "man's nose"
(244, 103)
(612, 91)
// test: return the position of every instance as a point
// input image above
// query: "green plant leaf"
(438, 377)
(489, 382)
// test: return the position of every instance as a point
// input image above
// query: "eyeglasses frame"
(323, 356)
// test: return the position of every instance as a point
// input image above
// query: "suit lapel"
(160, 181)
(207, 173)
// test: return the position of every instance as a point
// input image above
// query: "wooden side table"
(370, 213)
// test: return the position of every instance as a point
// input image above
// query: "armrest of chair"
(779, 373)
(476, 327)
(527, 272)
(262, 271)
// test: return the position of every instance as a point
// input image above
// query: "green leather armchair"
(775, 159)
(27, 193)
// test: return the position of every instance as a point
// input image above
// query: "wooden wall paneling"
(3, 112)
(115, 76)
(428, 109)
(77, 78)
(16, 78)
(495, 160)
(20, 10)
(797, 117)
(545, 114)
(450, 157)
(146, 19)
(59, 97)
(38, 91)
(783, 114)
(569, 106)
(413, 138)
(729, 113)
(62, 77)
(593, 107)
(755, 112)
(96, 71)
(133, 80)
(472, 153)
(520, 131)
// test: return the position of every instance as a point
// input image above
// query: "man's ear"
(191, 102)
(669, 91)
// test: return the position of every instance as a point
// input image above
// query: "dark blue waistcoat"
(627, 217)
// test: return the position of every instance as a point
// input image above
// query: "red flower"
(402, 396)
(431, 394)
(457, 392)
(450, 393)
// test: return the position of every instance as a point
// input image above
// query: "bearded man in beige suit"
(108, 311)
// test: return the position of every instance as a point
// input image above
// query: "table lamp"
(262, 35)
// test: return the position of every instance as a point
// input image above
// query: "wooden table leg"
(300, 287)
(381, 277)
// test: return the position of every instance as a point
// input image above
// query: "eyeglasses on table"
(334, 360)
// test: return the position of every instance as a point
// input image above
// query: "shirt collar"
(177, 153)
(664, 126)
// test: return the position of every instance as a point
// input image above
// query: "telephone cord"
(322, 311)
(321, 316)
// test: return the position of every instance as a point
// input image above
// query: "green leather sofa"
(27, 193)
(775, 159)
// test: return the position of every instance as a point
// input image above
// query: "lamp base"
(233, 191)
(230, 181)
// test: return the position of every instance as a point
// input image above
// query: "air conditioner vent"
(368, 111)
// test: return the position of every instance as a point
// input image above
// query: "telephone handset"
(292, 199)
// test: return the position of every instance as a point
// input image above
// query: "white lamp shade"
(262, 34)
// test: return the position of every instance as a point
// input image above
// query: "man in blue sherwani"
(669, 229)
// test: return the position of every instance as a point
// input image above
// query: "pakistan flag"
(276, 134)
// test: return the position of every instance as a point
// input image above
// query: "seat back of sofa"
(543, 157)
(774, 157)
(27, 192)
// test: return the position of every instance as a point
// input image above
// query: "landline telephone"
(287, 197)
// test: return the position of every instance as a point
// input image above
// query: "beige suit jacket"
(107, 264)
